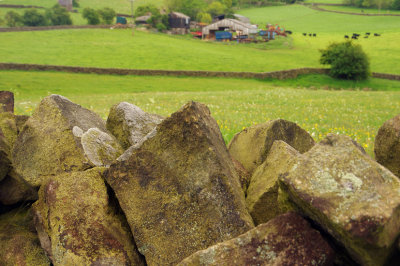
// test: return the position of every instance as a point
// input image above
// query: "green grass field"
(118, 49)
(234, 103)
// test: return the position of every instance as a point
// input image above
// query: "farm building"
(228, 24)
(179, 23)
(66, 3)
(142, 20)
(242, 18)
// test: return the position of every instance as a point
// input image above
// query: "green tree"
(13, 19)
(32, 17)
(396, 5)
(58, 15)
(107, 14)
(216, 8)
(204, 17)
(91, 15)
(347, 60)
(144, 9)
(188, 7)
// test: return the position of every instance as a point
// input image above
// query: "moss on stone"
(19, 244)
(251, 146)
(347, 193)
(9, 127)
(78, 226)
(179, 190)
(46, 146)
(262, 194)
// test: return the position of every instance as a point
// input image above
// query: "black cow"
(376, 34)
(346, 36)
(314, 35)
(310, 34)
(289, 32)
(354, 37)
(368, 33)
(304, 34)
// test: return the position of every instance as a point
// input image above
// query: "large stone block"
(130, 124)
(263, 193)
(287, 239)
(179, 190)
(78, 225)
(251, 146)
(347, 193)
(50, 142)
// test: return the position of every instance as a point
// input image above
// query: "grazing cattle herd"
(355, 36)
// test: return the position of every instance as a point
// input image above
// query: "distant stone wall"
(283, 74)
(18, 6)
(63, 27)
(317, 7)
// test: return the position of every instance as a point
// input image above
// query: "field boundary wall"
(319, 8)
(283, 74)
(18, 6)
(65, 27)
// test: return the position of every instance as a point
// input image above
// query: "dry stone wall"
(177, 197)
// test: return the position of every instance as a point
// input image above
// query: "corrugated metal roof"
(233, 24)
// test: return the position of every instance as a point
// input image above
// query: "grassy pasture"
(118, 49)
(234, 103)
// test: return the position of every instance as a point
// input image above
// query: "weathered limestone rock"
(285, 240)
(77, 225)
(129, 124)
(100, 148)
(19, 243)
(47, 145)
(6, 101)
(14, 189)
(179, 190)
(387, 145)
(262, 194)
(9, 127)
(351, 196)
(251, 146)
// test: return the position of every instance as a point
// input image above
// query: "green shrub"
(107, 15)
(144, 9)
(13, 19)
(91, 15)
(75, 3)
(347, 60)
(58, 15)
(32, 17)
(161, 27)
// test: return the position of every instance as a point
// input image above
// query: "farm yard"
(318, 103)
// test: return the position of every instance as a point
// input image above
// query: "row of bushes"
(57, 15)
(380, 4)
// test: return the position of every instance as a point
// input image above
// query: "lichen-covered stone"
(287, 239)
(78, 225)
(47, 146)
(14, 189)
(251, 146)
(351, 196)
(179, 190)
(262, 194)
(100, 148)
(129, 124)
(9, 127)
(387, 145)
(19, 243)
